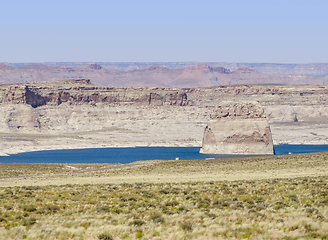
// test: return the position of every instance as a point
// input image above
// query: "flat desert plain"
(265, 197)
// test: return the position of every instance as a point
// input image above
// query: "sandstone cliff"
(83, 92)
(238, 128)
(74, 114)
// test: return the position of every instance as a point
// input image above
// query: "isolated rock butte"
(238, 128)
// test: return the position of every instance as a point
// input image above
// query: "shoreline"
(157, 133)
(48, 148)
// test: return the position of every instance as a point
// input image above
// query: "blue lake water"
(127, 155)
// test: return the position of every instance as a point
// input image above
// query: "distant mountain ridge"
(308, 69)
(201, 75)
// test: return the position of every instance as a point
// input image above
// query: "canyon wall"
(76, 113)
(83, 92)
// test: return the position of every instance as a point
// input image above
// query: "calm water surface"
(127, 155)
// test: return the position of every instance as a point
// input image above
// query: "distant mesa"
(221, 70)
(94, 66)
(238, 128)
(153, 68)
(244, 70)
(148, 75)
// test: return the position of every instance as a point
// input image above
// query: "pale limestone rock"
(238, 128)
(18, 118)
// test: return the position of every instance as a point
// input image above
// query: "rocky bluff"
(76, 113)
(238, 128)
(83, 91)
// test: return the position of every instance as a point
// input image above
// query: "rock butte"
(238, 128)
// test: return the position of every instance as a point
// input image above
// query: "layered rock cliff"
(238, 128)
(83, 92)
(74, 114)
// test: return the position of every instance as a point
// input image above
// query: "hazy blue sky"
(289, 31)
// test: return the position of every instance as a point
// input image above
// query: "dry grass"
(268, 208)
(37, 169)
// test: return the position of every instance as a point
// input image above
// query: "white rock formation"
(238, 128)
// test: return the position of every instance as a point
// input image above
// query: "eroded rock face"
(19, 118)
(82, 91)
(238, 128)
(156, 116)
